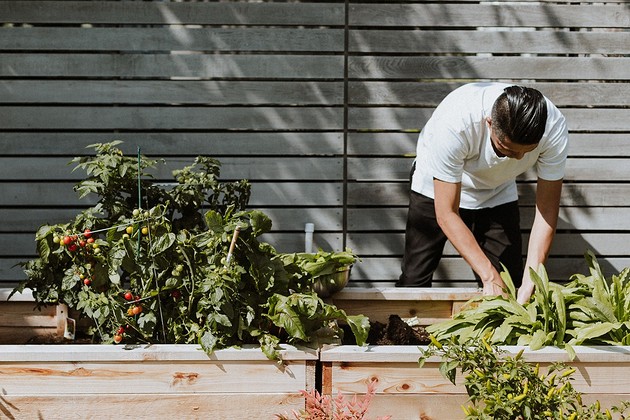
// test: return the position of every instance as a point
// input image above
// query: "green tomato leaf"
(208, 342)
(163, 243)
(214, 221)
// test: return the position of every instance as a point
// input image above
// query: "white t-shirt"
(455, 146)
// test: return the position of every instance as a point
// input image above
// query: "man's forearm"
(543, 232)
(465, 243)
(539, 245)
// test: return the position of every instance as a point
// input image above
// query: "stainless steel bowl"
(330, 284)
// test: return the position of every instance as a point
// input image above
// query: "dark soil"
(57, 339)
(395, 332)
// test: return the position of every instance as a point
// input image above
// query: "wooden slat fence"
(317, 103)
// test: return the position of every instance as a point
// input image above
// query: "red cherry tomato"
(128, 296)
(87, 233)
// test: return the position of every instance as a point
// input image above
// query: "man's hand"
(526, 290)
(494, 286)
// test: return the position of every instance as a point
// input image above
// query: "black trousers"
(497, 230)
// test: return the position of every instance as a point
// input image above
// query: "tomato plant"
(160, 268)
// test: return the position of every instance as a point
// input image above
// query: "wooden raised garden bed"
(21, 323)
(406, 391)
(156, 381)
(427, 305)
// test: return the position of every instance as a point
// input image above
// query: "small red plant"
(324, 407)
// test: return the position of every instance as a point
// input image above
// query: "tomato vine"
(159, 274)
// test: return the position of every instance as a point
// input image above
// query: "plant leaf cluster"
(325, 407)
(588, 310)
(503, 387)
(161, 274)
(322, 262)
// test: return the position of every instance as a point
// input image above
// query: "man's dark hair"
(520, 114)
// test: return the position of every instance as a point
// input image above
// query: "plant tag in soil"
(69, 330)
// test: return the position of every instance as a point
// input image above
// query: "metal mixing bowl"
(330, 284)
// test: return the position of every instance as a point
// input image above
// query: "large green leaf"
(598, 330)
(360, 326)
(560, 313)
(163, 242)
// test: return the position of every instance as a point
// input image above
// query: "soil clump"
(395, 332)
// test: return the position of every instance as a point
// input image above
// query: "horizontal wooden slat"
(260, 405)
(409, 304)
(503, 2)
(503, 15)
(390, 118)
(270, 168)
(170, 118)
(397, 194)
(564, 244)
(431, 94)
(502, 42)
(169, 92)
(404, 144)
(454, 270)
(577, 170)
(150, 377)
(487, 67)
(298, 194)
(23, 314)
(193, 66)
(610, 219)
(158, 144)
(172, 13)
(157, 353)
(283, 219)
(171, 39)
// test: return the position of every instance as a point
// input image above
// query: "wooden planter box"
(406, 391)
(156, 381)
(427, 305)
(20, 322)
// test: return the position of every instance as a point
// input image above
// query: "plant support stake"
(232, 245)
(139, 197)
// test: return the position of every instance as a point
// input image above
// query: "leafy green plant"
(601, 315)
(504, 387)
(161, 274)
(325, 407)
(325, 272)
(587, 310)
(323, 262)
